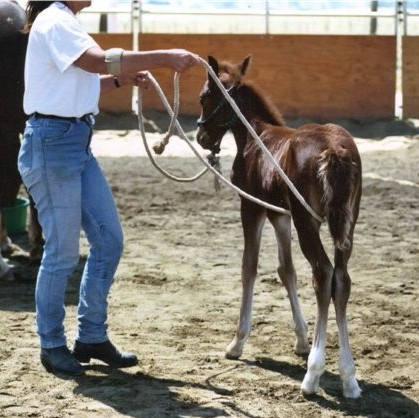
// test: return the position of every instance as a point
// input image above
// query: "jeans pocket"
(25, 158)
(56, 129)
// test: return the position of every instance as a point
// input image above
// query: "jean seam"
(54, 229)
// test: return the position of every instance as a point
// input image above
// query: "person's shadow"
(144, 396)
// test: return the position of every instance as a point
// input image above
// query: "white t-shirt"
(53, 85)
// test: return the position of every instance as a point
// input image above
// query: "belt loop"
(89, 118)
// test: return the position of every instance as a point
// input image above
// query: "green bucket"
(15, 217)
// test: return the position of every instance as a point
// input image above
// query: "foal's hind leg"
(311, 245)
(286, 272)
(340, 294)
(253, 220)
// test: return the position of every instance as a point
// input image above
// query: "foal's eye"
(203, 96)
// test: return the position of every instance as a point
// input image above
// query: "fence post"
(400, 31)
(267, 12)
(103, 23)
(373, 22)
(135, 22)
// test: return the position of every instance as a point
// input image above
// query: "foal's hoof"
(351, 389)
(310, 384)
(302, 349)
(231, 356)
(234, 351)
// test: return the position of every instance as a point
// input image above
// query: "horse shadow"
(377, 400)
(141, 395)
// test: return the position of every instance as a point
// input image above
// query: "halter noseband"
(203, 123)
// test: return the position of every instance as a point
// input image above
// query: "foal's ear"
(213, 64)
(245, 64)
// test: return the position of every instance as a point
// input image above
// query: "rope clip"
(214, 161)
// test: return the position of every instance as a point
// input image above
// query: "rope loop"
(175, 124)
(255, 136)
(159, 147)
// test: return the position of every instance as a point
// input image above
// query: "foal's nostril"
(199, 135)
(202, 138)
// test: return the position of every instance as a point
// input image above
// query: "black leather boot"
(105, 352)
(60, 360)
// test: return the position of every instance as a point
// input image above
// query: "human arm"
(93, 60)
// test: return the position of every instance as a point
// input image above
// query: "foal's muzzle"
(207, 142)
(203, 138)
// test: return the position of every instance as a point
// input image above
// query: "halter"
(203, 123)
(246, 124)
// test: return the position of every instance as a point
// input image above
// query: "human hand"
(140, 79)
(181, 60)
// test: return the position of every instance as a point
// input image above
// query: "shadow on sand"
(377, 400)
(144, 396)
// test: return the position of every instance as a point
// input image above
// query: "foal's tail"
(338, 174)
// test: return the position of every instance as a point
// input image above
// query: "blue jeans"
(70, 193)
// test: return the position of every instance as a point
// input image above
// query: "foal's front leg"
(286, 272)
(252, 222)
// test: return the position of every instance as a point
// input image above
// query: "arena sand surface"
(175, 303)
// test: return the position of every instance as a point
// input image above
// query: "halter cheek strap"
(113, 60)
(202, 123)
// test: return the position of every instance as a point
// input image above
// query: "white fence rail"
(262, 17)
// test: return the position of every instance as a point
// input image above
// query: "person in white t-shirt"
(65, 73)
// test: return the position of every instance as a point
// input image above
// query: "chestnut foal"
(323, 163)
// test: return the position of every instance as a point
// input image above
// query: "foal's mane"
(261, 105)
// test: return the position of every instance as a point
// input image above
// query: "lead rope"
(259, 141)
(174, 122)
(159, 147)
(198, 155)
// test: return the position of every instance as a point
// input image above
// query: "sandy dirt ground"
(175, 302)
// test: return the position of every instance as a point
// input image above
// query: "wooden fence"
(320, 77)
(410, 77)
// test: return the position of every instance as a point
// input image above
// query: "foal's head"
(217, 116)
